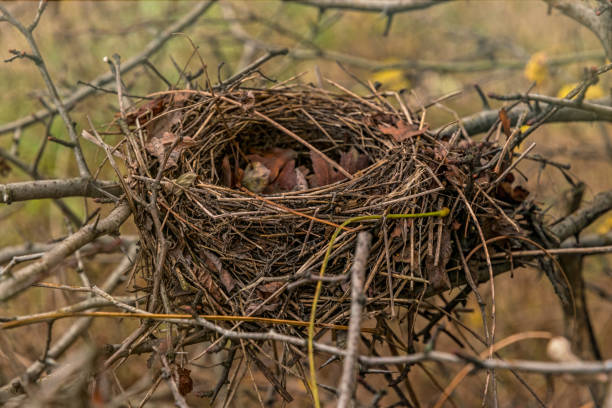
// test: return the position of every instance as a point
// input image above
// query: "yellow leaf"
(606, 226)
(391, 78)
(536, 69)
(594, 92)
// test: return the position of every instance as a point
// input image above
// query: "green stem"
(311, 325)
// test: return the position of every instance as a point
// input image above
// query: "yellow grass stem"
(161, 316)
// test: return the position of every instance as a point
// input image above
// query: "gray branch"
(372, 6)
(20, 280)
(582, 218)
(347, 381)
(600, 25)
(482, 121)
(74, 187)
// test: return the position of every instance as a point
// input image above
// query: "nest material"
(255, 251)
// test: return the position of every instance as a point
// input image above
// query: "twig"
(23, 278)
(15, 386)
(57, 100)
(347, 381)
(84, 91)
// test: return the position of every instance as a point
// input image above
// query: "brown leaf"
(227, 280)
(207, 282)
(266, 290)
(214, 264)
(158, 145)
(146, 111)
(323, 173)
(505, 121)
(287, 179)
(185, 383)
(352, 161)
(519, 194)
(226, 171)
(401, 131)
(274, 160)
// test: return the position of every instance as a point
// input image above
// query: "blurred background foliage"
(503, 46)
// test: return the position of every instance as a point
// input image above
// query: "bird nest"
(237, 193)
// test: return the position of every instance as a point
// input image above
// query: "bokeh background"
(439, 53)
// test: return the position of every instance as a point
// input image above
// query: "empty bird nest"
(237, 193)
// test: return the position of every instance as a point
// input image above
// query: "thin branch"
(252, 67)
(372, 6)
(347, 381)
(99, 246)
(85, 91)
(15, 386)
(23, 278)
(44, 72)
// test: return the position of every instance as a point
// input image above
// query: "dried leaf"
(214, 264)
(185, 180)
(323, 173)
(401, 131)
(352, 161)
(146, 111)
(287, 179)
(266, 290)
(505, 121)
(207, 282)
(519, 194)
(274, 160)
(226, 171)
(185, 383)
(227, 280)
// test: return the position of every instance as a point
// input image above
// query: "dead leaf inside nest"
(401, 131)
(276, 170)
(324, 174)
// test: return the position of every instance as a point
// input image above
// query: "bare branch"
(98, 246)
(600, 25)
(15, 386)
(372, 6)
(23, 278)
(482, 121)
(74, 187)
(347, 381)
(582, 218)
(85, 91)
(57, 100)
